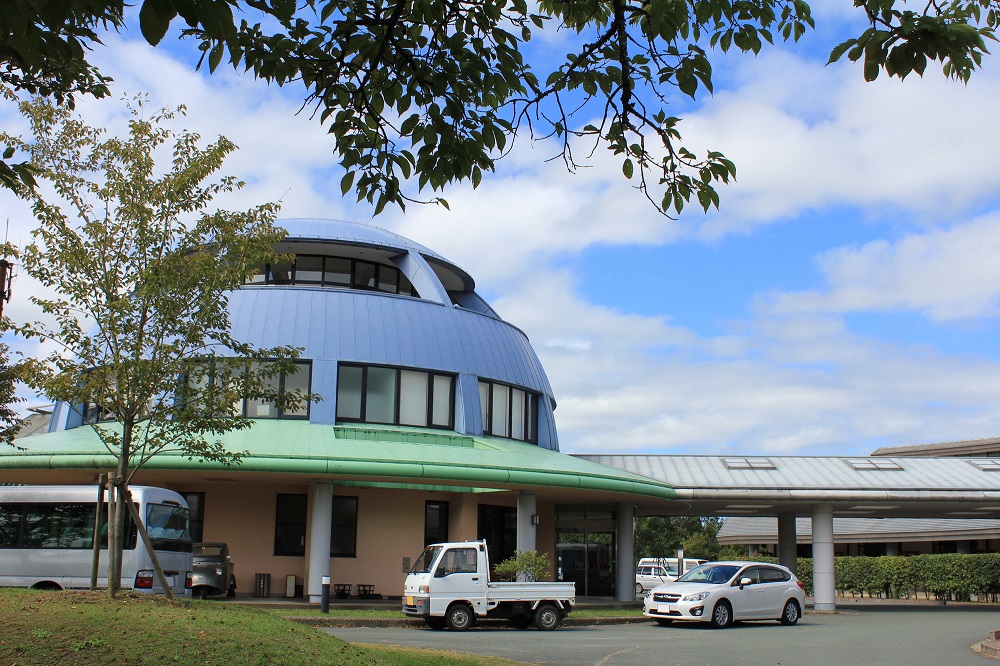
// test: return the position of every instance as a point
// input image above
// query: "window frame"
(280, 414)
(298, 551)
(338, 529)
(398, 370)
(529, 416)
(400, 287)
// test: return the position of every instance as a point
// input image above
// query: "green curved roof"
(405, 455)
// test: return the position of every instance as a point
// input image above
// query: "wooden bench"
(341, 591)
(367, 592)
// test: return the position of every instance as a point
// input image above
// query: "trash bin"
(262, 585)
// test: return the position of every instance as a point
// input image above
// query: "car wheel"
(435, 622)
(722, 615)
(459, 617)
(547, 617)
(521, 621)
(790, 614)
(664, 622)
(638, 589)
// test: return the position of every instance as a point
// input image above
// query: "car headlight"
(700, 596)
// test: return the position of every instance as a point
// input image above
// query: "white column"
(824, 590)
(787, 550)
(962, 547)
(625, 558)
(320, 529)
(892, 549)
(526, 508)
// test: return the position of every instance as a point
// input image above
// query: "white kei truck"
(450, 586)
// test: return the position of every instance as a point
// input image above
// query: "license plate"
(409, 601)
(664, 608)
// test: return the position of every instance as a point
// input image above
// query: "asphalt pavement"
(857, 636)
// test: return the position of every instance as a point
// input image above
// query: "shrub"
(524, 565)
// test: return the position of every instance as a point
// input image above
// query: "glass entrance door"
(586, 558)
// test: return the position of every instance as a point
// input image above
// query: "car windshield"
(203, 550)
(426, 559)
(715, 574)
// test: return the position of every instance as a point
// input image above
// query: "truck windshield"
(426, 559)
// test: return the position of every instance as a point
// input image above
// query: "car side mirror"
(440, 573)
(745, 581)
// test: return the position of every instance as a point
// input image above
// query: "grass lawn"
(88, 628)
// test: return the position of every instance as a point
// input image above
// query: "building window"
(290, 526)
(254, 408)
(344, 527)
(435, 522)
(396, 396)
(196, 505)
(508, 411)
(336, 272)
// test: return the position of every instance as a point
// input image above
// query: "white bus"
(46, 539)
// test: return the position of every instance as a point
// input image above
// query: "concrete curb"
(991, 646)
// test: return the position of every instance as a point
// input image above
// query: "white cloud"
(944, 274)
(805, 137)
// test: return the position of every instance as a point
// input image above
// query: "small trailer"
(449, 586)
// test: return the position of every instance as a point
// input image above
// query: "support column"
(892, 549)
(625, 557)
(320, 530)
(526, 509)
(824, 590)
(787, 549)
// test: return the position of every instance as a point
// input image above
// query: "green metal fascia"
(386, 452)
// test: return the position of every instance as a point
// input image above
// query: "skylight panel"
(748, 463)
(986, 464)
(872, 463)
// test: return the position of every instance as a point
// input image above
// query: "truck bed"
(513, 591)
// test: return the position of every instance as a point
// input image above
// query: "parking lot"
(912, 635)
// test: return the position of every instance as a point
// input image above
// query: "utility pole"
(5, 275)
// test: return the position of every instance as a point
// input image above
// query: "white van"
(671, 563)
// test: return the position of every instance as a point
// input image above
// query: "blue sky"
(845, 297)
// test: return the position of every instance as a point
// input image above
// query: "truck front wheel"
(459, 617)
(547, 617)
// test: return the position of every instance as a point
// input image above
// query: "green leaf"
(154, 19)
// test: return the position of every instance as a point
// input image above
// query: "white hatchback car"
(724, 592)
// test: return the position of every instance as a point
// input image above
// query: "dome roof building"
(436, 422)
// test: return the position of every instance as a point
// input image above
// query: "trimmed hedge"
(949, 576)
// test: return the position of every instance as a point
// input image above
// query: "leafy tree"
(660, 536)
(141, 269)
(10, 422)
(435, 90)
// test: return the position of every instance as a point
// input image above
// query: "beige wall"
(390, 527)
